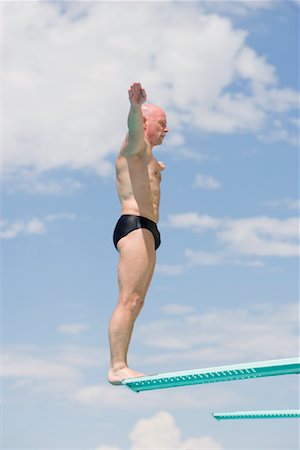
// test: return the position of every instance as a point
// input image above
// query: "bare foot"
(115, 377)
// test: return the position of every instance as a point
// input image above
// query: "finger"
(137, 87)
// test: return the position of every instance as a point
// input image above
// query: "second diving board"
(279, 414)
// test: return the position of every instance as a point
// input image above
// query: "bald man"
(136, 236)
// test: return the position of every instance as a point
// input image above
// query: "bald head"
(155, 123)
(150, 111)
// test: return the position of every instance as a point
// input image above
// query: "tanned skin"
(138, 177)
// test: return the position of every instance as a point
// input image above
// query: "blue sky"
(225, 288)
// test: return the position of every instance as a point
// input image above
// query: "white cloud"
(49, 372)
(185, 153)
(104, 396)
(194, 221)
(158, 432)
(199, 258)
(175, 309)
(278, 132)
(169, 269)
(259, 236)
(276, 100)
(59, 216)
(203, 443)
(288, 203)
(11, 229)
(65, 104)
(54, 371)
(82, 357)
(110, 397)
(219, 335)
(175, 139)
(73, 329)
(161, 432)
(232, 112)
(205, 258)
(35, 226)
(206, 182)
(33, 183)
(107, 447)
(28, 365)
(255, 68)
(262, 236)
(237, 7)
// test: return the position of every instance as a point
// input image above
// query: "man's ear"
(144, 122)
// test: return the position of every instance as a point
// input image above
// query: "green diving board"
(215, 374)
(280, 414)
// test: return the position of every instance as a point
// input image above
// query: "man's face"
(156, 127)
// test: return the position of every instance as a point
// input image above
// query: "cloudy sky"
(225, 288)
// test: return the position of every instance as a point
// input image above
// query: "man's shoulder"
(132, 149)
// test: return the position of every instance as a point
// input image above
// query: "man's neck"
(149, 145)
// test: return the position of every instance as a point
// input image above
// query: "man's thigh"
(137, 261)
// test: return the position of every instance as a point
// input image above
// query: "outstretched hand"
(137, 95)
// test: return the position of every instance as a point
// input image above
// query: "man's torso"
(138, 184)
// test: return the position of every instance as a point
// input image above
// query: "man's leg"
(135, 271)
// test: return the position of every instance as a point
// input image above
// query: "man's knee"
(132, 300)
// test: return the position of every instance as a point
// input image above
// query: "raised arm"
(136, 138)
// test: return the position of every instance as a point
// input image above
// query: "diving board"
(215, 374)
(279, 414)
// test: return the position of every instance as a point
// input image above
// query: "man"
(136, 236)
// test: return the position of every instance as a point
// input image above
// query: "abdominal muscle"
(134, 209)
(138, 186)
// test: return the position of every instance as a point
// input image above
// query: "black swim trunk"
(129, 222)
